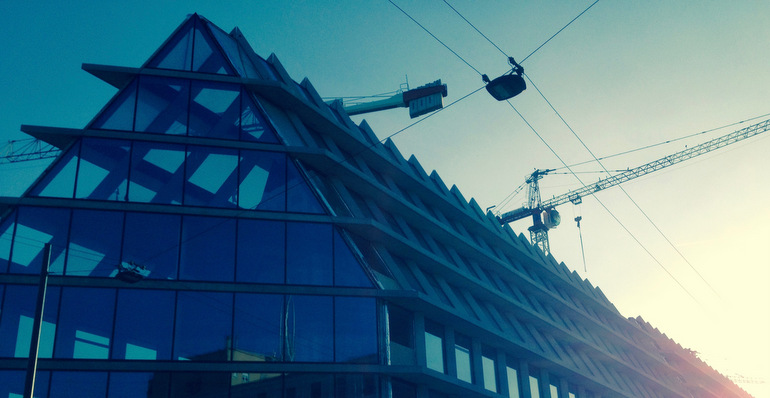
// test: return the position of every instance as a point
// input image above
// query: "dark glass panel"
(259, 385)
(310, 329)
(257, 335)
(262, 182)
(208, 249)
(162, 105)
(237, 58)
(261, 251)
(214, 110)
(401, 326)
(35, 227)
(59, 181)
(152, 241)
(177, 53)
(119, 115)
(309, 254)
(206, 56)
(309, 385)
(347, 270)
(6, 239)
(17, 317)
(200, 385)
(103, 169)
(12, 383)
(78, 384)
(203, 326)
(135, 385)
(254, 126)
(157, 173)
(402, 389)
(299, 197)
(211, 176)
(94, 247)
(354, 385)
(85, 323)
(355, 330)
(144, 324)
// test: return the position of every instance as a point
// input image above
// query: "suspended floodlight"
(131, 272)
(508, 85)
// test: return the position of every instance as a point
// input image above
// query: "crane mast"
(545, 217)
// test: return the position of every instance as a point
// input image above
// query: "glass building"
(280, 250)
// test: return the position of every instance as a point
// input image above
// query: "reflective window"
(262, 181)
(162, 105)
(85, 323)
(119, 114)
(214, 110)
(35, 227)
(203, 326)
(152, 241)
(356, 386)
(434, 346)
(211, 176)
(132, 385)
(157, 173)
(299, 198)
(347, 270)
(206, 55)
(78, 384)
(402, 389)
(355, 330)
(6, 239)
(254, 126)
(309, 385)
(143, 324)
(261, 251)
(259, 385)
(554, 391)
(258, 333)
(513, 382)
(534, 387)
(17, 319)
(59, 181)
(489, 368)
(401, 326)
(12, 383)
(311, 329)
(94, 247)
(232, 50)
(103, 169)
(177, 53)
(463, 358)
(208, 249)
(309, 254)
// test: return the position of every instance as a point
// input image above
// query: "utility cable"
(560, 30)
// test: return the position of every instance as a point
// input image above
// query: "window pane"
(162, 105)
(355, 329)
(311, 335)
(6, 239)
(94, 248)
(534, 387)
(203, 326)
(143, 325)
(85, 323)
(463, 358)
(262, 182)
(259, 385)
(215, 110)
(200, 385)
(120, 113)
(513, 382)
(347, 270)
(401, 389)
(59, 181)
(401, 326)
(299, 197)
(554, 391)
(434, 346)
(211, 176)
(261, 251)
(152, 241)
(35, 227)
(208, 249)
(12, 383)
(177, 54)
(254, 126)
(257, 335)
(103, 169)
(490, 372)
(309, 254)
(206, 56)
(78, 384)
(17, 318)
(157, 173)
(132, 385)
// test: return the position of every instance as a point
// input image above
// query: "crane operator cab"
(508, 85)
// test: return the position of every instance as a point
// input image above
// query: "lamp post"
(34, 346)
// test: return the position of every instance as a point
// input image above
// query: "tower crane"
(544, 215)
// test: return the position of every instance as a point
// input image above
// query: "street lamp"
(508, 85)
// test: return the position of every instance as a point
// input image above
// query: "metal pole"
(34, 347)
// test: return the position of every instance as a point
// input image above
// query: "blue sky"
(624, 75)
